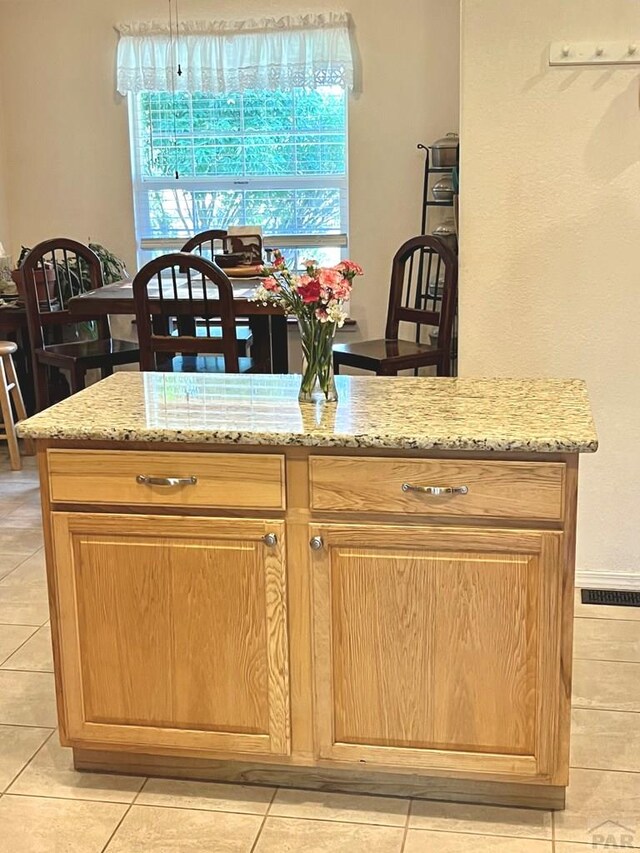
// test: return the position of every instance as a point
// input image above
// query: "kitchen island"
(375, 596)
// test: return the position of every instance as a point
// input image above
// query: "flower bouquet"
(316, 298)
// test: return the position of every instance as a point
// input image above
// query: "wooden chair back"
(208, 244)
(181, 287)
(424, 289)
(53, 272)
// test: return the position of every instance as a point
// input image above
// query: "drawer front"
(225, 480)
(533, 490)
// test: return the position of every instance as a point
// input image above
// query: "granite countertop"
(526, 415)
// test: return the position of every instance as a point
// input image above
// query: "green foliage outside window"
(278, 139)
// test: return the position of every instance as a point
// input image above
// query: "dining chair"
(423, 294)
(179, 287)
(53, 272)
(208, 244)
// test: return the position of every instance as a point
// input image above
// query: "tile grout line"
(126, 812)
(406, 827)
(24, 767)
(604, 710)
(605, 618)
(4, 668)
(27, 557)
(264, 821)
(4, 660)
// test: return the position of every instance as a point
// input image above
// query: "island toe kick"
(343, 617)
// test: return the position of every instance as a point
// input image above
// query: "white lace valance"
(229, 56)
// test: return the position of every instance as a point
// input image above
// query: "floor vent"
(611, 597)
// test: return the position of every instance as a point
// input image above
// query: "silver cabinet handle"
(436, 491)
(165, 481)
(316, 543)
(270, 540)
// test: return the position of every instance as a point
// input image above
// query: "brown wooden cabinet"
(173, 632)
(401, 619)
(438, 647)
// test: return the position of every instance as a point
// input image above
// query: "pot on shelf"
(446, 231)
(45, 284)
(444, 152)
(443, 189)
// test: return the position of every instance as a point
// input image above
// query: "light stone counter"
(518, 415)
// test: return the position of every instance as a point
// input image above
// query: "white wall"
(5, 234)
(67, 141)
(550, 254)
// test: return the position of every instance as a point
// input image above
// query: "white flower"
(336, 314)
(261, 295)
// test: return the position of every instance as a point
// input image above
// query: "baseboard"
(608, 580)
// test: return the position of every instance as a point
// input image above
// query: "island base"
(547, 797)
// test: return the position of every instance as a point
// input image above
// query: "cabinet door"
(438, 648)
(172, 633)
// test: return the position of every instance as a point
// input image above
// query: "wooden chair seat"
(206, 364)
(423, 294)
(379, 354)
(90, 354)
(244, 336)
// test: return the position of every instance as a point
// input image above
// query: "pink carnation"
(350, 268)
(270, 283)
(330, 278)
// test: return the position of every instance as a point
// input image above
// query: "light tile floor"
(46, 807)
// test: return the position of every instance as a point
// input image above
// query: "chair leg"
(107, 370)
(41, 377)
(76, 378)
(18, 402)
(444, 366)
(7, 419)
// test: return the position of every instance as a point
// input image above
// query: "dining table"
(268, 323)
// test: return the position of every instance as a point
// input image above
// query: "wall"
(67, 142)
(551, 236)
(5, 235)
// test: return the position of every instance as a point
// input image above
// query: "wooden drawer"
(225, 480)
(532, 490)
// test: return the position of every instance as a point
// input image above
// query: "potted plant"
(73, 276)
(45, 279)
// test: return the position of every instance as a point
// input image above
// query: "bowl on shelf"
(443, 189)
(231, 259)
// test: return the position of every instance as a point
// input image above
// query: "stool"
(9, 389)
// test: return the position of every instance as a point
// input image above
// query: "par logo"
(612, 836)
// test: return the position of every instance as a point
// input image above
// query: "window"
(274, 159)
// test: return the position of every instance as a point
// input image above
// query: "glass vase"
(318, 381)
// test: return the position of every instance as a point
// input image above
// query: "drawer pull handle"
(270, 540)
(316, 543)
(165, 481)
(436, 491)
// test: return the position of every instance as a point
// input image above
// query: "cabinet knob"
(270, 540)
(316, 543)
